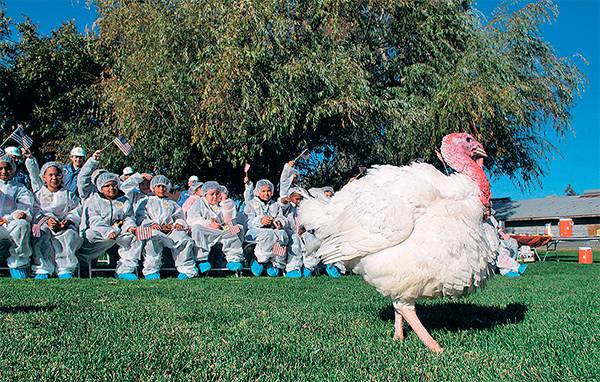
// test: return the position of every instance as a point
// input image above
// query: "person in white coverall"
(209, 220)
(57, 212)
(16, 213)
(266, 225)
(168, 224)
(107, 219)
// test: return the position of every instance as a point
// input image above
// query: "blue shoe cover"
(18, 273)
(512, 274)
(293, 274)
(522, 268)
(234, 266)
(204, 267)
(182, 276)
(272, 271)
(153, 276)
(41, 276)
(127, 276)
(332, 271)
(256, 268)
(65, 276)
(306, 272)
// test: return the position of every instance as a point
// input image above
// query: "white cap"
(128, 170)
(193, 178)
(77, 152)
(13, 151)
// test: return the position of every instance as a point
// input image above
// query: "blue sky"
(576, 30)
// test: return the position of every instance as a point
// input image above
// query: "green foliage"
(48, 86)
(542, 326)
(202, 87)
(206, 85)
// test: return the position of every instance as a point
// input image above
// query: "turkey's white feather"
(410, 231)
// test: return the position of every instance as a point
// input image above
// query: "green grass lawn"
(543, 326)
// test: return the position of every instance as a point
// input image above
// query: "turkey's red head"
(465, 154)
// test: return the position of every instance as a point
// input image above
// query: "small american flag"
(143, 233)
(20, 137)
(36, 229)
(279, 250)
(123, 145)
(233, 228)
(247, 167)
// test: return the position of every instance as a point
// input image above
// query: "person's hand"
(156, 226)
(52, 223)
(132, 230)
(246, 180)
(291, 163)
(301, 230)
(96, 155)
(167, 228)
(266, 220)
(65, 223)
(179, 227)
(27, 153)
(285, 200)
(278, 224)
(147, 176)
(213, 224)
(112, 235)
(20, 215)
(3, 221)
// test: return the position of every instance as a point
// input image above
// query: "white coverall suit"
(166, 211)
(15, 198)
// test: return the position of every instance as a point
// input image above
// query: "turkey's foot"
(398, 330)
(411, 317)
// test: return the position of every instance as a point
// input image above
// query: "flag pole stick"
(105, 147)
(302, 153)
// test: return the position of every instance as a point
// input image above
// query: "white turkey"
(412, 232)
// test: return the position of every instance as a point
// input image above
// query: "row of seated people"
(52, 228)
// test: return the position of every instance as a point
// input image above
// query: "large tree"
(203, 86)
(47, 85)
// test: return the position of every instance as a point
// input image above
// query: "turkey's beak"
(479, 152)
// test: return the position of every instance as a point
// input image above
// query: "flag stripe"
(143, 233)
(279, 249)
(123, 145)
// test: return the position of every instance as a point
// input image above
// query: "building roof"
(554, 207)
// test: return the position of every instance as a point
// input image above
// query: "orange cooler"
(565, 227)
(585, 255)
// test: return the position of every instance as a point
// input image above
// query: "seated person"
(266, 225)
(106, 220)
(57, 216)
(168, 230)
(19, 175)
(211, 223)
(185, 194)
(507, 256)
(15, 215)
(195, 193)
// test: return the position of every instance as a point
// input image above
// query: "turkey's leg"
(398, 321)
(411, 317)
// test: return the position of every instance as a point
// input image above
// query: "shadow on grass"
(26, 309)
(459, 316)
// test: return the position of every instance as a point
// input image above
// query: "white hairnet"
(262, 183)
(47, 165)
(106, 177)
(210, 185)
(160, 180)
(8, 159)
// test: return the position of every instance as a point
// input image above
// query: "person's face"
(212, 197)
(160, 191)
(329, 194)
(265, 193)
(6, 171)
(223, 196)
(145, 186)
(296, 198)
(53, 178)
(110, 190)
(125, 177)
(198, 191)
(77, 161)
